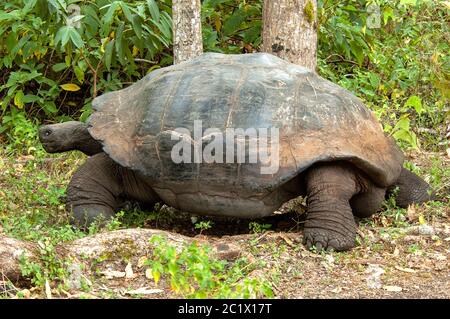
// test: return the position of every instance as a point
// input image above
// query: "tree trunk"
(290, 30)
(187, 30)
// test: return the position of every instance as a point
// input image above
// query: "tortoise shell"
(317, 121)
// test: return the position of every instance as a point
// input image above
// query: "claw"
(327, 240)
(318, 247)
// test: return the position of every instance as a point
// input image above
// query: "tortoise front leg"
(329, 222)
(94, 191)
(100, 187)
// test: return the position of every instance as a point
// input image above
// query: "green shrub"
(57, 55)
(193, 273)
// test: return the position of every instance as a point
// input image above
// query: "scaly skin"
(100, 187)
(330, 224)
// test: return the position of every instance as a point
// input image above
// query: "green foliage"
(48, 268)
(231, 26)
(31, 197)
(204, 225)
(193, 273)
(257, 228)
(400, 69)
(56, 55)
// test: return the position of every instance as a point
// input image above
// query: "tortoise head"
(63, 137)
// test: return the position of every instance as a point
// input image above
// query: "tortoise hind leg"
(368, 201)
(329, 221)
(412, 189)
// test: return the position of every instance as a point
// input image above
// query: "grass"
(31, 197)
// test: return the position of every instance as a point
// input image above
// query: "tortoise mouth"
(49, 147)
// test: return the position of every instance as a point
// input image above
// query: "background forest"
(57, 55)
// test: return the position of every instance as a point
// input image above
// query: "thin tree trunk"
(290, 30)
(187, 30)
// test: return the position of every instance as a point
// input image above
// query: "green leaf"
(137, 26)
(119, 43)
(79, 73)
(415, 102)
(388, 13)
(357, 52)
(50, 107)
(374, 80)
(408, 2)
(154, 10)
(165, 27)
(231, 25)
(11, 41)
(109, 16)
(30, 98)
(109, 53)
(18, 99)
(213, 3)
(126, 11)
(406, 136)
(63, 36)
(70, 87)
(20, 45)
(76, 38)
(350, 8)
(402, 124)
(58, 67)
(251, 34)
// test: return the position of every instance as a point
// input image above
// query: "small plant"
(48, 268)
(257, 228)
(203, 225)
(115, 223)
(193, 273)
(413, 248)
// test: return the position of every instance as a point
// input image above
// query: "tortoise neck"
(85, 143)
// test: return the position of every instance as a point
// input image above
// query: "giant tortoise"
(326, 144)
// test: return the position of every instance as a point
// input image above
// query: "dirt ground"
(388, 264)
(384, 265)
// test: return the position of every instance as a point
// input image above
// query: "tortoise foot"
(85, 215)
(324, 239)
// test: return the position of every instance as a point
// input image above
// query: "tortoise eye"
(47, 132)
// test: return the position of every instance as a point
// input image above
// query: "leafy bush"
(231, 26)
(57, 55)
(399, 68)
(193, 273)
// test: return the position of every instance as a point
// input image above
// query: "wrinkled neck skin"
(84, 142)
